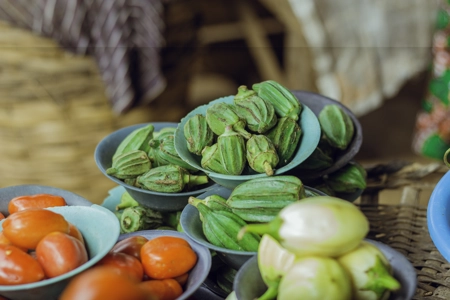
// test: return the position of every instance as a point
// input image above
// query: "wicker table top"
(395, 203)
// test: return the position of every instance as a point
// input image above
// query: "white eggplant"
(315, 278)
(322, 225)
(370, 272)
(273, 262)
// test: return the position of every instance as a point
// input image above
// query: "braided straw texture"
(54, 111)
(395, 203)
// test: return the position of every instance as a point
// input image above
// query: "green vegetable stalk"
(273, 262)
(370, 272)
(126, 201)
(140, 218)
(315, 278)
(322, 225)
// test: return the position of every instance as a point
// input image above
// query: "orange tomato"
(167, 257)
(5, 241)
(164, 289)
(2, 216)
(129, 265)
(182, 279)
(103, 282)
(17, 267)
(131, 245)
(59, 253)
(26, 228)
(76, 233)
(34, 201)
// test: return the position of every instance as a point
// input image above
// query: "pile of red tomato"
(37, 244)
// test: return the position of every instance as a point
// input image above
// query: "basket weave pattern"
(53, 112)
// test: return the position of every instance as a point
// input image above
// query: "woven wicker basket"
(54, 111)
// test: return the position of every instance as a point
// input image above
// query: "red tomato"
(17, 267)
(103, 282)
(5, 241)
(164, 289)
(59, 253)
(26, 228)
(131, 246)
(76, 233)
(167, 257)
(129, 265)
(182, 279)
(34, 201)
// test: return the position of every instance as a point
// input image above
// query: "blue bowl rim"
(74, 272)
(437, 216)
(291, 165)
(127, 186)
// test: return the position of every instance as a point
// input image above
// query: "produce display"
(36, 243)
(255, 201)
(137, 268)
(147, 159)
(134, 217)
(259, 129)
(315, 249)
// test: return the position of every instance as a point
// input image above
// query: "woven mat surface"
(402, 223)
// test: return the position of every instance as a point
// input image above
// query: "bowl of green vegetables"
(142, 159)
(261, 131)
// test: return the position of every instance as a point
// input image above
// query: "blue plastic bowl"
(309, 140)
(100, 229)
(155, 200)
(438, 216)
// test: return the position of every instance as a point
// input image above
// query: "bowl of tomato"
(46, 247)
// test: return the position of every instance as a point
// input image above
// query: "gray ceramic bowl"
(308, 142)
(200, 271)
(100, 229)
(155, 200)
(316, 103)
(7, 193)
(192, 226)
(249, 285)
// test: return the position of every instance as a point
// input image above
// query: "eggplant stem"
(272, 228)
(270, 293)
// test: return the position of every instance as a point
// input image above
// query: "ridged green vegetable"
(336, 125)
(318, 160)
(198, 134)
(347, 179)
(221, 228)
(136, 140)
(231, 147)
(284, 102)
(261, 199)
(225, 278)
(163, 133)
(215, 202)
(285, 136)
(211, 159)
(259, 114)
(219, 115)
(261, 154)
(139, 218)
(126, 201)
(129, 164)
(169, 179)
(167, 155)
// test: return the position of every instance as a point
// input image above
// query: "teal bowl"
(201, 269)
(309, 140)
(156, 200)
(248, 283)
(192, 226)
(100, 229)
